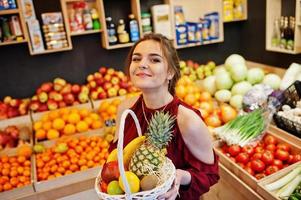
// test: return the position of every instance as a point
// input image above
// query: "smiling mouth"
(140, 74)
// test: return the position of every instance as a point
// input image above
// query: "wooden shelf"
(9, 11)
(86, 32)
(51, 51)
(229, 11)
(12, 42)
(117, 46)
(236, 20)
(276, 49)
(198, 44)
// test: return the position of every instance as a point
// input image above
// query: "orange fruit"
(47, 125)
(58, 124)
(63, 111)
(7, 186)
(73, 118)
(181, 91)
(40, 134)
(37, 125)
(53, 134)
(83, 112)
(103, 106)
(116, 102)
(4, 159)
(45, 118)
(94, 116)
(112, 109)
(205, 96)
(24, 150)
(96, 124)
(82, 126)
(190, 99)
(69, 129)
(53, 115)
(5, 172)
(84, 167)
(207, 105)
(88, 120)
(21, 159)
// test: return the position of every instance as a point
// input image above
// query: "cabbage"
(255, 75)
(223, 95)
(209, 84)
(272, 80)
(223, 81)
(236, 101)
(238, 72)
(234, 59)
(241, 88)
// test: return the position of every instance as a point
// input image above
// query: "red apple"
(75, 103)
(75, 88)
(58, 87)
(107, 77)
(102, 95)
(112, 92)
(100, 81)
(110, 171)
(4, 139)
(110, 71)
(115, 80)
(3, 116)
(90, 77)
(42, 107)
(13, 131)
(124, 84)
(59, 81)
(97, 75)
(34, 98)
(34, 105)
(120, 74)
(7, 99)
(66, 89)
(102, 70)
(12, 112)
(92, 84)
(15, 103)
(62, 104)
(107, 85)
(46, 87)
(68, 98)
(43, 97)
(23, 108)
(39, 91)
(94, 95)
(52, 104)
(122, 92)
(117, 87)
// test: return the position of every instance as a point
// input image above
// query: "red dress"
(202, 175)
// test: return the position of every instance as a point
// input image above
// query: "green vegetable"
(255, 75)
(208, 84)
(289, 188)
(272, 80)
(223, 81)
(236, 101)
(223, 95)
(241, 88)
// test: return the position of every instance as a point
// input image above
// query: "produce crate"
(271, 195)
(76, 179)
(22, 191)
(243, 174)
(290, 97)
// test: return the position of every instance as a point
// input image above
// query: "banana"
(127, 151)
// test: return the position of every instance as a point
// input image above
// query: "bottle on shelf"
(283, 25)
(95, 19)
(123, 36)
(111, 31)
(87, 18)
(290, 33)
(276, 34)
(134, 29)
(78, 7)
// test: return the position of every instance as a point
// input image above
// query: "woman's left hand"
(173, 192)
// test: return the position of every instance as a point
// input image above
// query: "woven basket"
(168, 168)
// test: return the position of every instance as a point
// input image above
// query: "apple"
(4, 139)
(34, 105)
(90, 77)
(15, 103)
(125, 79)
(52, 104)
(97, 75)
(124, 84)
(102, 95)
(100, 89)
(94, 95)
(115, 80)
(62, 104)
(42, 107)
(13, 131)
(75, 89)
(120, 74)
(12, 112)
(85, 89)
(7, 99)
(68, 98)
(34, 98)
(182, 64)
(107, 85)
(39, 148)
(43, 97)
(39, 90)
(92, 84)
(102, 70)
(23, 108)
(59, 81)
(110, 171)
(46, 87)
(100, 81)
(58, 87)
(110, 71)
(112, 92)
(83, 97)
(58, 97)
(66, 89)
(189, 63)
(195, 65)
(107, 77)
(122, 92)
(3, 115)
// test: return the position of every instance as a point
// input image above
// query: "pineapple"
(150, 156)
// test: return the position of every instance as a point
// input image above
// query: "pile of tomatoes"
(265, 158)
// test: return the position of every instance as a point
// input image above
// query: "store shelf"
(117, 46)
(51, 51)
(9, 11)
(236, 20)
(86, 32)
(12, 42)
(276, 49)
(198, 44)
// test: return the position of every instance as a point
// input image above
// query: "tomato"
(241, 165)
(283, 146)
(260, 144)
(259, 176)
(249, 170)
(271, 147)
(234, 150)
(267, 157)
(296, 158)
(103, 186)
(278, 163)
(257, 165)
(290, 159)
(269, 139)
(110, 171)
(224, 148)
(242, 158)
(248, 149)
(259, 149)
(271, 169)
(281, 154)
(248, 164)
(256, 156)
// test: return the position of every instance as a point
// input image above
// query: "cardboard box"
(28, 10)
(35, 35)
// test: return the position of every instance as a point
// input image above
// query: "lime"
(133, 181)
(114, 188)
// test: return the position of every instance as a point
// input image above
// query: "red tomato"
(269, 139)
(248, 149)
(234, 150)
(296, 158)
(259, 176)
(249, 170)
(271, 147)
(278, 163)
(242, 158)
(267, 157)
(281, 154)
(256, 156)
(257, 165)
(283, 146)
(259, 149)
(290, 159)
(224, 148)
(103, 186)
(271, 169)
(248, 164)
(110, 171)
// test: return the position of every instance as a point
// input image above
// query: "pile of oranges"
(82, 153)
(14, 172)
(108, 109)
(66, 122)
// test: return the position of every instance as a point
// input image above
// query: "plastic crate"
(289, 97)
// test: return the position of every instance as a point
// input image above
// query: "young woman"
(154, 69)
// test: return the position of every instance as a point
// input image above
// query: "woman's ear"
(170, 75)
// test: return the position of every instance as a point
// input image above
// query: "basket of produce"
(288, 116)
(140, 170)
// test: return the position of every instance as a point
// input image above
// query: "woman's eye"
(135, 59)
(155, 60)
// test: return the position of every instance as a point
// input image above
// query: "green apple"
(39, 148)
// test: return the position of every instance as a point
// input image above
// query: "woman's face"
(149, 68)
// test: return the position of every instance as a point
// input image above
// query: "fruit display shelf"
(241, 173)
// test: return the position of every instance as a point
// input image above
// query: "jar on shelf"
(146, 22)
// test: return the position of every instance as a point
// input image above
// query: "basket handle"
(120, 147)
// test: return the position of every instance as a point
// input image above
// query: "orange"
(53, 115)
(25, 150)
(116, 102)
(40, 163)
(7, 186)
(13, 173)
(63, 111)
(96, 124)
(73, 118)
(69, 129)
(82, 126)
(4, 159)
(40, 134)
(103, 106)
(53, 134)
(190, 99)
(73, 167)
(205, 96)
(181, 91)
(66, 164)
(112, 109)
(82, 162)
(14, 181)
(47, 125)
(68, 172)
(94, 116)
(45, 118)
(5, 172)
(27, 163)
(26, 173)
(21, 159)
(88, 120)
(37, 125)
(58, 124)
(65, 117)
(84, 167)
(83, 112)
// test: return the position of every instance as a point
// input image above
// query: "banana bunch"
(128, 151)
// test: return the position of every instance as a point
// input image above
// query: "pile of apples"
(195, 71)
(108, 82)
(12, 136)
(10, 107)
(58, 94)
